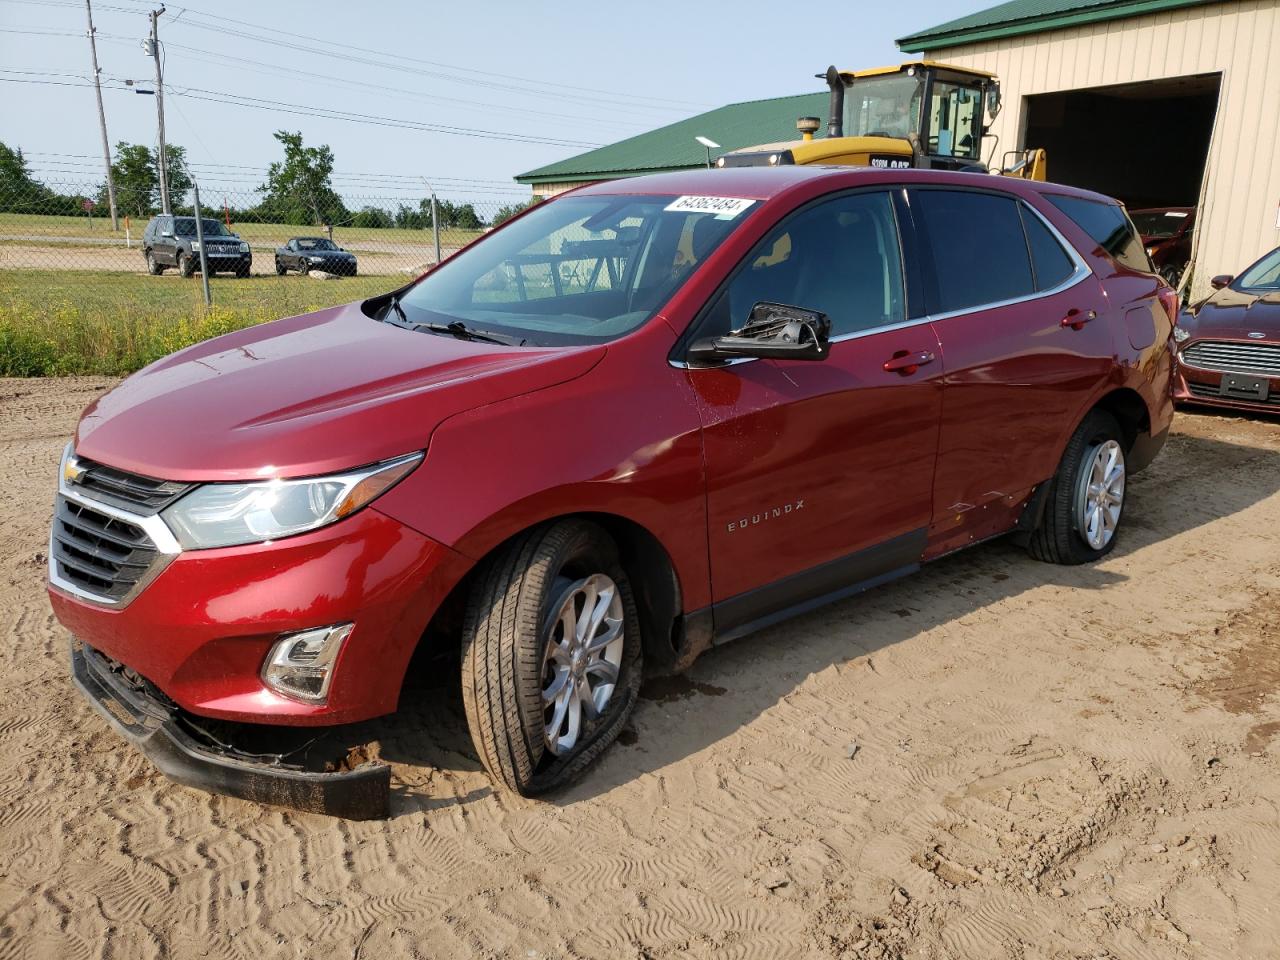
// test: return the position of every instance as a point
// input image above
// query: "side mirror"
(773, 331)
(1221, 280)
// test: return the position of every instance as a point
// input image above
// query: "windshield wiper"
(460, 330)
(455, 328)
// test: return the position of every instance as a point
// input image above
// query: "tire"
(186, 265)
(1061, 535)
(1171, 275)
(509, 631)
(242, 272)
(304, 268)
(153, 268)
(281, 270)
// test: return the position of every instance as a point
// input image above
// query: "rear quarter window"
(1108, 226)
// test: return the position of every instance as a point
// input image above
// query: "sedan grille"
(99, 554)
(1259, 358)
(1208, 391)
(128, 491)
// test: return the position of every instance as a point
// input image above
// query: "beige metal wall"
(1240, 39)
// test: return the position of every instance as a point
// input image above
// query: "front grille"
(102, 555)
(1210, 392)
(1229, 357)
(128, 491)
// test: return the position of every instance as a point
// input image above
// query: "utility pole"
(164, 160)
(102, 120)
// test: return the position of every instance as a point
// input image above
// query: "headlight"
(1151, 251)
(316, 259)
(244, 248)
(227, 514)
(1180, 334)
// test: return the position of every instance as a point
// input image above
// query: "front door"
(819, 473)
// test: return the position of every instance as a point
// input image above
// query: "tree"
(17, 187)
(299, 189)
(506, 213)
(136, 169)
(375, 218)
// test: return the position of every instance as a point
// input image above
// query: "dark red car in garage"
(1167, 233)
(644, 417)
(1229, 343)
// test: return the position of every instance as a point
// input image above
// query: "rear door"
(1016, 311)
(165, 247)
(819, 473)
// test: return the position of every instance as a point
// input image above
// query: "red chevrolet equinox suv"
(643, 418)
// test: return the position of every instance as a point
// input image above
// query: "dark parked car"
(1166, 233)
(170, 241)
(633, 421)
(1229, 343)
(305, 254)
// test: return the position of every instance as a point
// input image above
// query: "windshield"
(186, 227)
(315, 243)
(1263, 277)
(576, 270)
(887, 106)
(1158, 224)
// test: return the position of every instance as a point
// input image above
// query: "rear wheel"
(1086, 496)
(551, 655)
(153, 267)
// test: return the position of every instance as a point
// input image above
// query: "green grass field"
(259, 234)
(60, 323)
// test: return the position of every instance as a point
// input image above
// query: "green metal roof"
(673, 148)
(1019, 17)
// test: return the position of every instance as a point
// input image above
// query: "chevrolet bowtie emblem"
(72, 471)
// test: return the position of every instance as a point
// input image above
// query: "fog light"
(300, 666)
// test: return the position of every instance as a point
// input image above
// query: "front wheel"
(280, 269)
(1086, 496)
(551, 655)
(186, 265)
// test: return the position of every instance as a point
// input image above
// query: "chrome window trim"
(167, 547)
(1077, 276)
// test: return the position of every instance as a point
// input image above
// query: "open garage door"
(1143, 143)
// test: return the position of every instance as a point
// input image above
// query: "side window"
(979, 250)
(954, 116)
(839, 256)
(1108, 226)
(1052, 265)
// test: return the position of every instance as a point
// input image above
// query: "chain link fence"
(77, 296)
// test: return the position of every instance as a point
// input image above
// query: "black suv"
(170, 241)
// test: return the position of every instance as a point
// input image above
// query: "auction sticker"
(725, 208)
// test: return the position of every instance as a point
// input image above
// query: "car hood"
(327, 254)
(1235, 314)
(307, 395)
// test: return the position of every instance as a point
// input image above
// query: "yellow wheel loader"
(921, 114)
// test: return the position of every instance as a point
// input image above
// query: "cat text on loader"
(921, 114)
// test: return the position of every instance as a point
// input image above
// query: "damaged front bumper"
(183, 754)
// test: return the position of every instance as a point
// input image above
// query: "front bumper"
(201, 629)
(157, 729)
(1196, 385)
(225, 263)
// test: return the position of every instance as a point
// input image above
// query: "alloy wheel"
(1101, 494)
(582, 659)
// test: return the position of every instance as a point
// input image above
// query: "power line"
(258, 103)
(343, 46)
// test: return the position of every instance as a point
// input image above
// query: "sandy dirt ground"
(1050, 763)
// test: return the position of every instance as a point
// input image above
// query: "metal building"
(1156, 102)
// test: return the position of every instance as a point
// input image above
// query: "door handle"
(1076, 319)
(907, 362)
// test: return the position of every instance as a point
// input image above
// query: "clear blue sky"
(587, 73)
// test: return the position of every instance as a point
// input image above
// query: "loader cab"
(921, 114)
